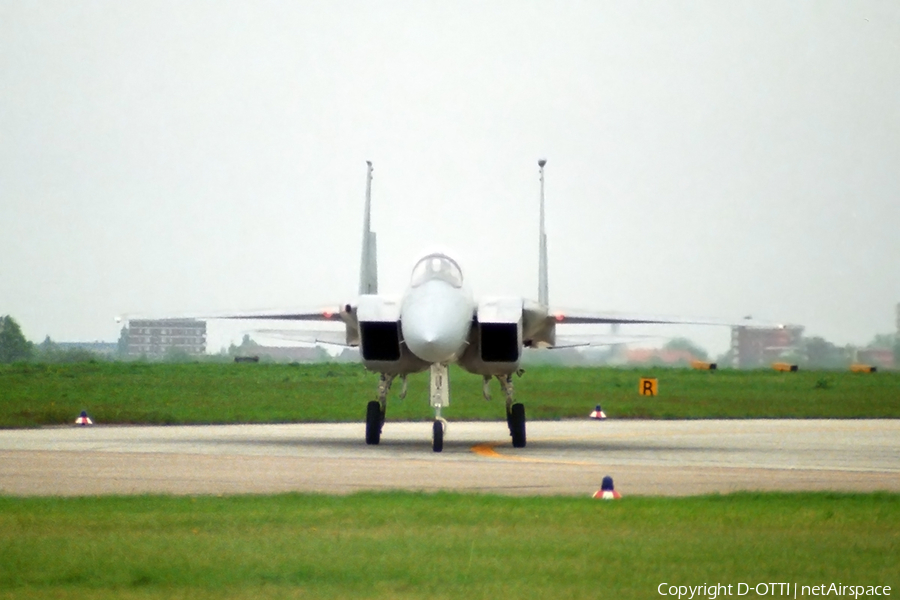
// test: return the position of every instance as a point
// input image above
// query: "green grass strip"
(408, 545)
(154, 393)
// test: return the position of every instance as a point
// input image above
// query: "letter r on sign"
(648, 387)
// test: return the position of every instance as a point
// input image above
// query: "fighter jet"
(437, 322)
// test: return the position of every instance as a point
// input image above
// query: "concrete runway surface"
(562, 457)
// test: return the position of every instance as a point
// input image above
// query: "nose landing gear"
(437, 434)
(440, 397)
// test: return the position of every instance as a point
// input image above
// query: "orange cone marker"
(607, 491)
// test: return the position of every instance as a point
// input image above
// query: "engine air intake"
(380, 340)
(499, 342)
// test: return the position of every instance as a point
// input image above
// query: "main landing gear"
(376, 409)
(515, 418)
(515, 411)
(374, 422)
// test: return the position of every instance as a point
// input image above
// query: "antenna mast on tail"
(543, 290)
(368, 266)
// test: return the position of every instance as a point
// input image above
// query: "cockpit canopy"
(436, 266)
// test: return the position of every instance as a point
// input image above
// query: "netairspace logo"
(713, 591)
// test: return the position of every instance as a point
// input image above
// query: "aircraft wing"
(599, 339)
(576, 317)
(334, 338)
(323, 314)
(334, 313)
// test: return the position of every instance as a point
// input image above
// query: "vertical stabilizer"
(543, 289)
(368, 265)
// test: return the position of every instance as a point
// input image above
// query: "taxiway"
(562, 457)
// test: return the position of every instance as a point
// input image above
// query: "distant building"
(154, 338)
(753, 347)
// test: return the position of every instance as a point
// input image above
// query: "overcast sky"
(704, 158)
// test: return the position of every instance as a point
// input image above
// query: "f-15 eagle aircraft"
(437, 322)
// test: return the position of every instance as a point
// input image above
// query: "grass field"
(45, 394)
(405, 545)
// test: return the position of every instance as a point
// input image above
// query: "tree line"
(812, 352)
(14, 347)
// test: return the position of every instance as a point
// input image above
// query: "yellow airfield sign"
(648, 386)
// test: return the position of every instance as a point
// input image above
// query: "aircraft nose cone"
(435, 321)
(432, 346)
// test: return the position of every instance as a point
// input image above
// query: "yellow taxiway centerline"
(487, 451)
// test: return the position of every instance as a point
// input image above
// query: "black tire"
(438, 436)
(517, 425)
(374, 420)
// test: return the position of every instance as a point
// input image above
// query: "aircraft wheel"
(438, 436)
(374, 419)
(517, 425)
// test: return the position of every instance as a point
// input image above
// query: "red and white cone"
(607, 491)
(598, 414)
(84, 419)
